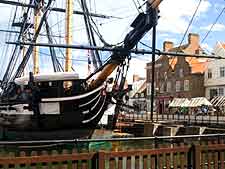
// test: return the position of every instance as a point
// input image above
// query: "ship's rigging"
(46, 102)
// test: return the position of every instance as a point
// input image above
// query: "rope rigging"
(214, 23)
(12, 58)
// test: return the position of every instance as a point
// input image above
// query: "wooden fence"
(206, 156)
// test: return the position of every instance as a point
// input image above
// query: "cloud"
(175, 14)
(217, 27)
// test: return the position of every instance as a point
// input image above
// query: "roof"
(177, 102)
(197, 66)
(48, 77)
(218, 101)
(193, 102)
(223, 45)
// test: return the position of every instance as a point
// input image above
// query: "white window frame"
(186, 85)
(178, 86)
(222, 71)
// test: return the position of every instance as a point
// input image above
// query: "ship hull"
(59, 118)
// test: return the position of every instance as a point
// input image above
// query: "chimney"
(167, 45)
(193, 39)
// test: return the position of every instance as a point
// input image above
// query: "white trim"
(96, 103)
(48, 77)
(86, 121)
(86, 112)
(49, 108)
(82, 105)
(61, 99)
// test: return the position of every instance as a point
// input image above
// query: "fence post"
(197, 157)
(101, 160)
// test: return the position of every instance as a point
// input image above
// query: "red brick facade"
(177, 76)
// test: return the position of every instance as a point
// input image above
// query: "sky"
(175, 16)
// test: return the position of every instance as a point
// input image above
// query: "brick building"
(177, 76)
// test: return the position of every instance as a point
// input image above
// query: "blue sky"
(175, 16)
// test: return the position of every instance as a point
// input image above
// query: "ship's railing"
(206, 151)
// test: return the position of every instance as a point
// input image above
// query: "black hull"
(60, 118)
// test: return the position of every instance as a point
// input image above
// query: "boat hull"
(59, 118)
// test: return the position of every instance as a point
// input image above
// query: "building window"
(149, 89)
(212, 93)
(168, 87)
(178, 86)
(162, 88)
(221, 91)
(186, 85)
(181, 72)
(209, 73)
(222, 71)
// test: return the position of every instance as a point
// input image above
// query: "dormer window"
(181, 73)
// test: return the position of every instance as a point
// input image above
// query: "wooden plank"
(146, 152)
(46, 165)
(137, 162)
(175, 158)
(46, 159)
(197, 157)
(145, 162)
(203, 160)
(216, 159)
(160, 161)
(210, 159)
(112, 164)
(128, 162)
(168, 162)
(120, 163)
(84, 164)
(65, 164)
(153, 164)
(74, 164)
(222, 159)
(182, 160)
(101, 160)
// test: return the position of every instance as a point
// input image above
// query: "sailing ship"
(60, 105)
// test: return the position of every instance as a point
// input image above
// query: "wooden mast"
(108, 69)
(23, 39)
(37, 16)
(69, 34)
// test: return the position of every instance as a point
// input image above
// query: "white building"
(215, 74)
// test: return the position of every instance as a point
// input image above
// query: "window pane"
(186, 85)
(221, 92)
(209, 73)
(168, 87)
(178, 86)
(222, 71)
(181, 73)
